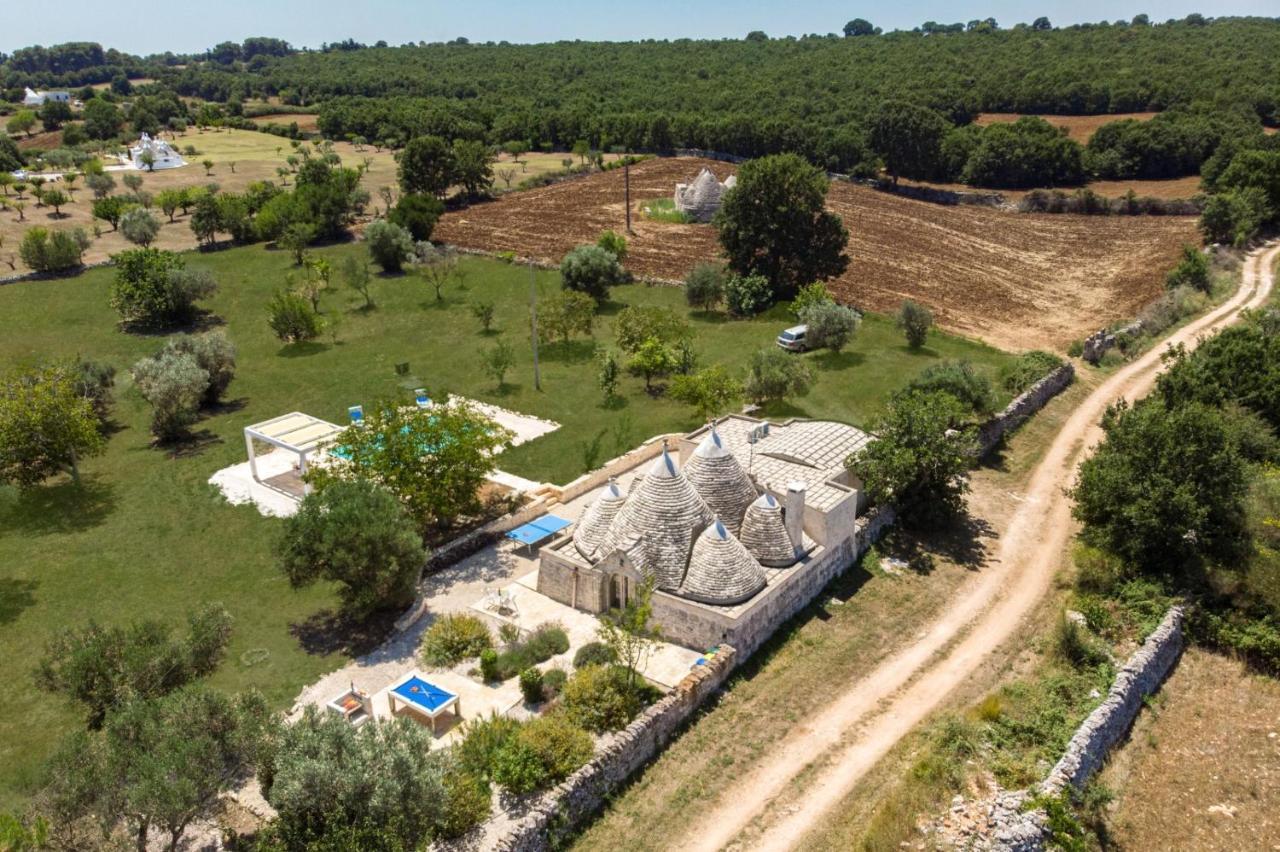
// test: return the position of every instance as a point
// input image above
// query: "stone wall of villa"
(555, 814)
(1028, 403)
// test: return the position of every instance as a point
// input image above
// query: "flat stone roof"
(809, 451)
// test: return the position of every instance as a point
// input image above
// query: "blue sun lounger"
(538, 531)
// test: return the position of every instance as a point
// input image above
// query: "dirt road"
(868, 717)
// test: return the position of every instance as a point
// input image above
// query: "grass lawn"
(147, 537)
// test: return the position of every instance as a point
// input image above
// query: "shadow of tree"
(568, 352)
(782, 409)
(16, 596)
(332, 631)
(709, 317)
(302, 349)
(193, 444)
(828, 360)
(962, 539)
(58, 508)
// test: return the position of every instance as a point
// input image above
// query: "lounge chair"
(421, 398)
(356, 413)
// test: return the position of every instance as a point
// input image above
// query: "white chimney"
(793, 514)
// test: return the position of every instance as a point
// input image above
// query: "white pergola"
(294, 432)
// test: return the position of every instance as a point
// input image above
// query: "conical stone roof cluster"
(765, 535)
(720, 480)
(721, 571)
(590, 532)
(701, 197)
(664, 512)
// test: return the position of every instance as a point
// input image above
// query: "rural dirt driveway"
(868, 717)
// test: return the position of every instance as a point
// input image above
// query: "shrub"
(831, 326)
(541, 645)
(174, 383)
(565, 314)
(292, 318)
(915, 320)
(959, 379)
(614, 243)
(704, 286)
(467, 802)
(1029, 368)
(1192, 271)
(810, 294)
(531, 685)
(482, 739)
(774, 375)
(636, 325)
(390, 246)
(417, 214)
(543, 752)
(139, 226)
(553, 682)
(53, 251)
(591, 270)
(488, 665)
(215, 354)
(748, 295)
(599, 699)
(594, 654)
(453, 638)
(1071, 644)
(356, 534)
(153, 288)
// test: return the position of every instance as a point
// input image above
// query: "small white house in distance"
(163, 155)
(34, 98)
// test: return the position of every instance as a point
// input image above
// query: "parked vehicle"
(794, 338)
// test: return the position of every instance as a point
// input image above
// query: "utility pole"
(533, 325)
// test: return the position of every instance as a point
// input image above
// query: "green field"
(148, 537)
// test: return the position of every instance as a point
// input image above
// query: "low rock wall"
(551, 819)
(1027, 404)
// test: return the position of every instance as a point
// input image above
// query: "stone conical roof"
(721, 571)
(700, 197)
(594, 525)
(720, 480)
(664, 512)
(765, 535)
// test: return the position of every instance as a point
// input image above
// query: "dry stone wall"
(1028, 403)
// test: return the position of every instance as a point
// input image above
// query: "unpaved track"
(915, 681)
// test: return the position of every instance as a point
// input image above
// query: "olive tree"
(46, 426)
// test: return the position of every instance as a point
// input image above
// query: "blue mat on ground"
(535, 531)
(426, 695)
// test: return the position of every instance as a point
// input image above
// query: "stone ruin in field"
(701, 198)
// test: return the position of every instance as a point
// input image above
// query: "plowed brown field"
(1018, 281)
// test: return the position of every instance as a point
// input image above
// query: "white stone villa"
(701, 198)
(735, 533)
(34, 98)
(163, 155)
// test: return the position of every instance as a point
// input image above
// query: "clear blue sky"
(184, 26)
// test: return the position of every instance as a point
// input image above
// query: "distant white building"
(163, 155)
(34, 98)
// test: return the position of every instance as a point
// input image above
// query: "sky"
(186, 27)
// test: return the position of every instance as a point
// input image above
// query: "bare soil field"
(1202, 766)
(1171, 189)
(307, 122)
(1017, 281)
(1079, 127)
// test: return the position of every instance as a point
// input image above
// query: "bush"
(774, 375)
(1030, 368)
(541, 645)
(174, 383)
(1070, 643)
(704, 286)
(453, 638)
(139, 226)
(1192, 271)
(810, 294)
(390, 246)
(467, 802)
(553, 682)
(356, 534)
(915, 320)
(482, 739)
(831, 326)
(591, 270)
(748, 295)
(417, 214)
(153, 288)
(543, 752)
(292, 318)
(614, 243)
(959, 379)
(215, 354)
(531, 685)
(634, 327)
(599, 699)
(594, 654)
(53, 251)
(488, 665)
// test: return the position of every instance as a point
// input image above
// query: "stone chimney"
(793, 514)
